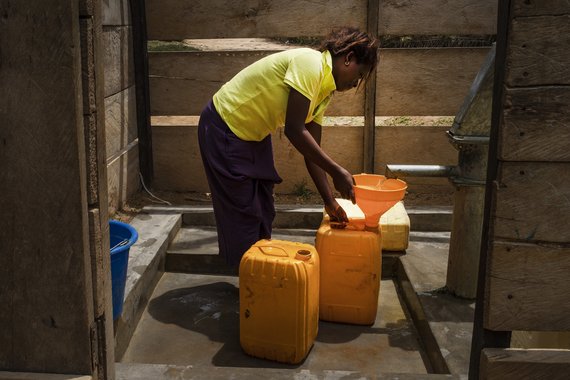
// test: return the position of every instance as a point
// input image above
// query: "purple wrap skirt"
(241, 175)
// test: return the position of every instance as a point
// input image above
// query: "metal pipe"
(395, 171)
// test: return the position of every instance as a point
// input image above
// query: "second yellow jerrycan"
(279, 300)
(351, 262)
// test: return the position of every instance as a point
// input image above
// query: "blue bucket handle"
(126, 243)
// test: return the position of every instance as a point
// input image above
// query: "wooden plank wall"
(528, 258)
(120, 104)
(46, 301)
(420, 82)
(510, 364)
(409, 81)
(93, 83)
(437, 17)
(532, 190)
(178, 20)
(179, 167)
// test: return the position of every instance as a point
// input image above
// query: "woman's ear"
(349, 56)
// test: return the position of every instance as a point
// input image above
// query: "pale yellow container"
(395, 226)
(279, 300)
(351, 263)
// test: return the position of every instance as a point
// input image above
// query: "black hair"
(346, 39)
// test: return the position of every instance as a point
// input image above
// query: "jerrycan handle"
(352, 226)
(273, 251)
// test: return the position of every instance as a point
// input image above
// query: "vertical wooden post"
(368, 153)
(482, 337)
(46, 302)
(91, 31)
(140, 54)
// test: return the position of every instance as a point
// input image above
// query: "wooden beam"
(424, 81)
(398, 145)
(368, 143)
(95, 128)
(117, 59)
(181, 83)
(181, 19)
(536, 124)
(140, 56)
(514, 364)
(535, 58)
(408, 81)
(532, 202)
(46, 302)
(123, 176)
(441, 17)
(483, 337)
(121, 126)
(524, 283)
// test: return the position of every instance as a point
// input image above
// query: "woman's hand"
(343, 182)
(337, 215)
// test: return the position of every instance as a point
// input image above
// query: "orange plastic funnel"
(375, 194)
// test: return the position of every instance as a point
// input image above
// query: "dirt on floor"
(137, 201)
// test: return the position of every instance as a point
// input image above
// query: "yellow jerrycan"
(351, 263)
(279, 300)
(351, 258)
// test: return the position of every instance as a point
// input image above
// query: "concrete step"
(430, 236)
(310, 216)
(433, 218)
(195, 250)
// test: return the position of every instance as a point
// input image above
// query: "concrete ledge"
(430, 236)
(134, 371)
(156, 229)
(430, 218)
(40, 376)
(195, 250)
(310, 216)
(287, 216)
(444, 322)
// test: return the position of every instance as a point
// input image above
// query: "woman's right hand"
(338, 217)
(343, 183)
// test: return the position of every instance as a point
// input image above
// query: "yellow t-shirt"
(254, 102)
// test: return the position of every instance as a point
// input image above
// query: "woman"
(291, 89)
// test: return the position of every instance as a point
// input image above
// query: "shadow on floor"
(213, 310)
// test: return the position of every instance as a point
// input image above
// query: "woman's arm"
(317, 174)
(305, 143)
(320, 179)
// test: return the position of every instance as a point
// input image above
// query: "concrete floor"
(190, 328)
(194, 320)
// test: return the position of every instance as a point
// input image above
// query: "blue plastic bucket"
(123, 236)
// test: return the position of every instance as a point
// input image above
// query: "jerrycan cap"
(303, 254)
